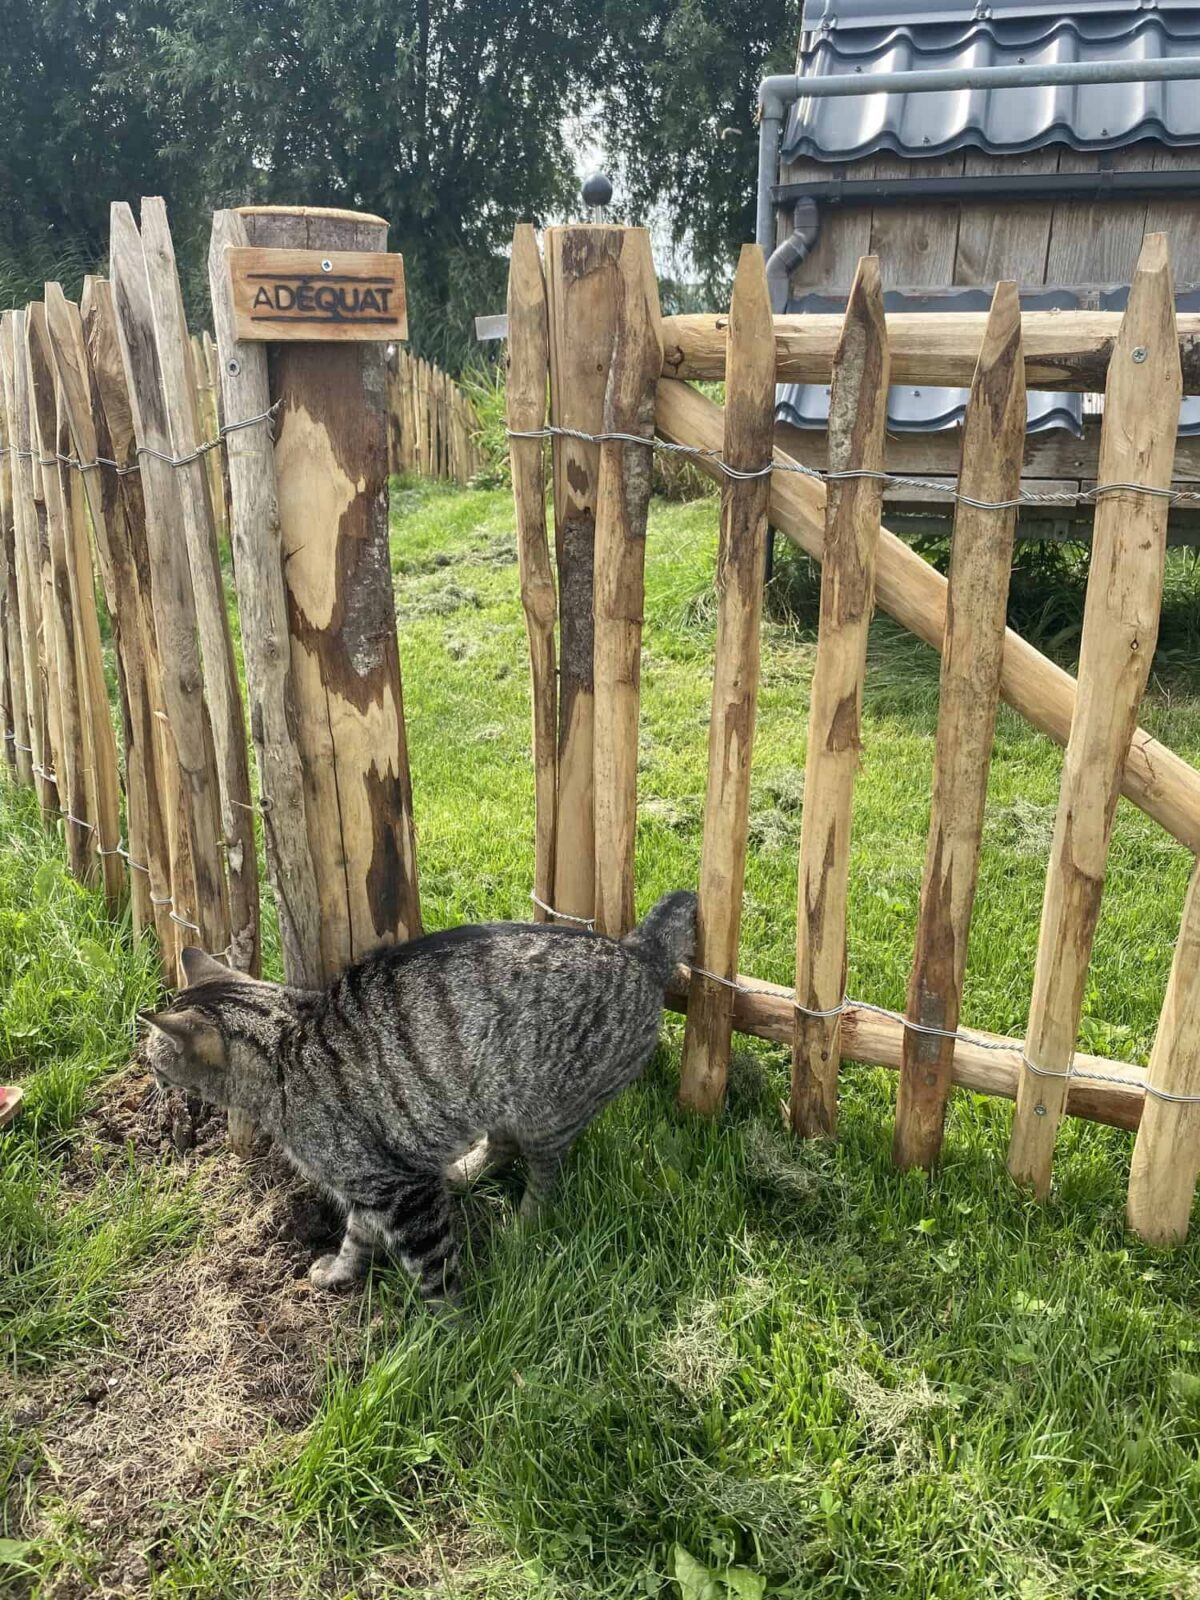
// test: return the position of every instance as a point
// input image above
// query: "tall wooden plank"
(119, 580)
(581, 283)
(916, 244)
(1166, 1152)
(1120, 627)
(749, 416)
(221, 689)
(980, 561)
(845, 232)
(1001, 242)
(201, 898)
(72, 760)
(258, 566)
(909, 589)
(20, 747)
(208, 412)
(331, 472)
(29, 581)
(857, 428)
(622, 502)
(160, 857)
(528, 364)
(1097, 241)
(104, 796)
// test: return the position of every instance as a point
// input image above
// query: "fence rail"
(111, 416)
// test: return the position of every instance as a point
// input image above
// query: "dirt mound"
(213, 1350)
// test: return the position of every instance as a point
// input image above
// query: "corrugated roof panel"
(888, 13)
(1002, 121)
(922, 410)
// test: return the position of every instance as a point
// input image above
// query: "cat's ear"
(199, 967)
(191, 1032)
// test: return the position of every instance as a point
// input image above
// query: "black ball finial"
(597, 190)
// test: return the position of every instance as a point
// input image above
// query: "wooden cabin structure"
(1054, 188)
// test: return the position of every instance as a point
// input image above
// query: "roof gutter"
(777, 93)
(1177, 183)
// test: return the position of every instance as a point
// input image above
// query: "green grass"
(730, 1364)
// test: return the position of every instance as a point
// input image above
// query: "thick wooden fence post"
(331, 466)
(980, 560)
(258, 567)
(121, 523)
(622, 502)
(581, 284)
(528, 372)
(221, 689)
(198, 886)
(65, 327)
(72, 761)
(1166, 1152)
(1120, 627)
(857, 432)
(749, 419)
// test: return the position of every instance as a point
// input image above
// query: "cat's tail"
(666, 935)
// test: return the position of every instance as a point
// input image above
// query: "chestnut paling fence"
(433, 424)
(126, 444)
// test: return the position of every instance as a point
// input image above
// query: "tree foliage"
(679, 98)
(447, 117)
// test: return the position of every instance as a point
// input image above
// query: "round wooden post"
(331, 460)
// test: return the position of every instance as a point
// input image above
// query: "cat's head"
(211, 1031)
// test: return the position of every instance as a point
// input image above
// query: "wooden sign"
(314, 295)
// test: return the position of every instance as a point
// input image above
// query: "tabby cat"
(379, 1086)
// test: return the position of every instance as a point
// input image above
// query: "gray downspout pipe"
(806, 225)
(770, 134)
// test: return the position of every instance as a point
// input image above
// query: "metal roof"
(927, 409)
(864, 36)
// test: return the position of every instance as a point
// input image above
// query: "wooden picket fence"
(589, 326)
(112, 417)
(433, 424)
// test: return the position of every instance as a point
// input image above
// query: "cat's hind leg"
(352, 1261)
(494, 1153)
(544, 1156)
(416, 1229)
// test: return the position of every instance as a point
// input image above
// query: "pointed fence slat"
(221, 689)
(72, 761)
(19, 746)
(857, 432)
(262, 602)
(528, 374)
(1166, 1152)
(104, 796)
(1120, 627)
(969, 693)
(29, 582)
(120, 523)
(622, 503)
(98, 484)
(749, 418)
(198, 885)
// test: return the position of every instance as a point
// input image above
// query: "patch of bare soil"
(214, 1350)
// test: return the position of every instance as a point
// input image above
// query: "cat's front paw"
(330, 1272)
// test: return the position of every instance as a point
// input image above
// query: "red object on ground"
(10, 1102)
